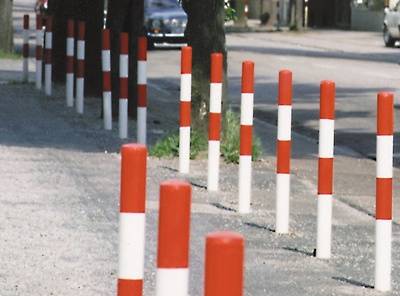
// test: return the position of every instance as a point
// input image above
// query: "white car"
(391, 25)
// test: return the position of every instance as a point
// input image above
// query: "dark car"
(165, 23)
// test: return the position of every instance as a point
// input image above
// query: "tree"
(125, 16)
(206, 34)
(240, 12)
(6, 28)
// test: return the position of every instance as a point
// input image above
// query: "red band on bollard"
(174, 224)
(106, 39)
(142, 48)
(384, 189)
(69, 64)
(186, 60)
(224, 264)
(142, 95)
(25, 50)
(49, 23)
(214, 127)
(133, 178)
(216, 67)
(123, 88)
(327, 108)
(385, 114)
(325, 176)
(184, 113)
(246, 134)
(106, 81)
(81, 30)
(130, 287)
(70, 28)
(285, 88)
(26, 22)
(283, 157)
(39, 22)
(124, 43)
(248, 77)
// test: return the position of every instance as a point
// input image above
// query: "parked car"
(165, 23)
(391, 25)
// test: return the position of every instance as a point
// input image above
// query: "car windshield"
(162, 3)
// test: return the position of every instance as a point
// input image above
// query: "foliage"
(230, 142)
(169, 146)
(9, 55)
(230, 13)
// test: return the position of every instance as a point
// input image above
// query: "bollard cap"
(26, 21)
(174, 224)
(285, 92)
(385, 114)
(81, 30)
(70, 28)
(124, 43)
(106, 39)
(186, 60)
(217, 64)
(142, 48)
(133, 178)
(224, 264)
(327, 100)
(248, 77)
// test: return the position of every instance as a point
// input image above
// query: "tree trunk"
(91, 12)
(6, 26)
(125, 16)
(299, 14)
(241, 18)
(206, 34)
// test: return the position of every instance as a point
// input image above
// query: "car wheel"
(389, 41)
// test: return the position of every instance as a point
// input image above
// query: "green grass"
(230, 142)
(9, 55)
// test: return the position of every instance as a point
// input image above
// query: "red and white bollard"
(39, 51)
(123, 85)
(384, 175)
(48, 67)
(325, 169)
(214, 125)
(70, 50)
(132, 220)
(106, 67)
(80, 73)
(173, 239)
(283, 147)
(224, 264)
(185, 110)
(246, 135)
(25, 49)
(142, 90)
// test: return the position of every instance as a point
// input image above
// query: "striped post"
(224, 264)
(185, 110)
(70, 63)
(284, 140)
(25, 49)
(142, 90)
(123, 85)
(132, 220)
(48, 56)
(106, 67)
(325, 169)
(384, 175)
(173, 239)
(80, 73)
(246, 132)
(214, 124)
(39, 51)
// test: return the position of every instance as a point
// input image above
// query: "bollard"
(325, 169)
(142, 90)
(384, 175)
(106, 67)
(80, 73)
(214, 125)
(185, 110)
(283, 148)
(123, 85)
(224, 264)
(246, 131)
(132, 220)
(39, 51)
(173, 239)
(48, 69)
(70, 63)
(25, 49)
